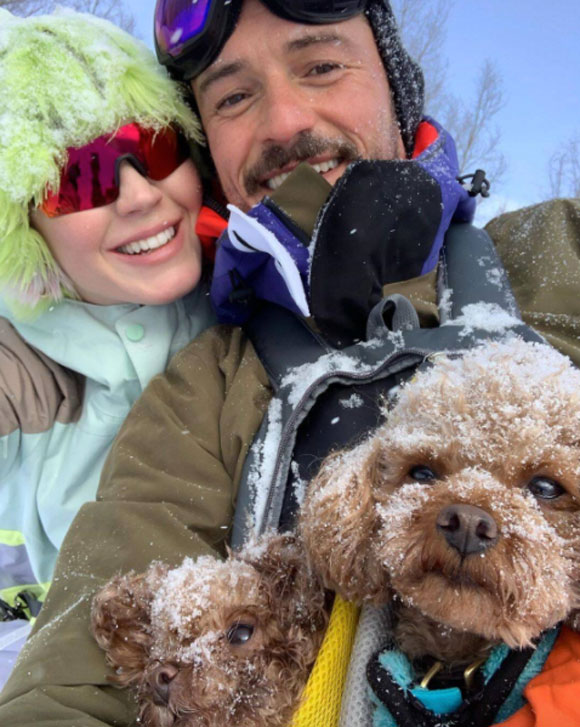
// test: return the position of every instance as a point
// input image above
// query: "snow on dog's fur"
(463, 509)
(464, 505)
(215, 643)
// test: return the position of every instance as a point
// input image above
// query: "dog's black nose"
(468, 529)
(159, 681)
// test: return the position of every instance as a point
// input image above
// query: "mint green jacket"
(67, 381)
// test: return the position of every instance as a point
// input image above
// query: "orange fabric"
(425, 136)
(208, 228)
(554, 695)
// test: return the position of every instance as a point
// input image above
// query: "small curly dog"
(464, 507)
(212, 643)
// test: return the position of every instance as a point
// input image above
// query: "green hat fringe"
(66, 79)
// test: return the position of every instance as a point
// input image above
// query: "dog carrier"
(327, 399)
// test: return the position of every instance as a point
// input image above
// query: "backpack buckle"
(478, 185)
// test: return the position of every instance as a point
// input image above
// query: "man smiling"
(303, 93)
(330, 84)
(319, 82)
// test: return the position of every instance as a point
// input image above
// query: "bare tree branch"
(564, 170)
(423, 28)
(471, 124)
(112, 10)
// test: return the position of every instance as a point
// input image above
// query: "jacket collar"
(115, 344)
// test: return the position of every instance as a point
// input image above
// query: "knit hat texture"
(405, 75)
(66, 79)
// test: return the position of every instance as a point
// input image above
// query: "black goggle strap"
(316, 12)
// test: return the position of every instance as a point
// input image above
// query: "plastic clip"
(478, 184)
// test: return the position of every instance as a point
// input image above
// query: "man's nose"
(288, 111)
(136, 192)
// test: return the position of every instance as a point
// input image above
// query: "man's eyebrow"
(229, 69)
(305, 41)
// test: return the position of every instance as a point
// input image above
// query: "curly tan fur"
(120, 608)
(166, 634)
(487, 426)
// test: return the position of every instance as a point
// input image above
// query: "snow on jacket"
(540, 249)
(165, 502)
(67, 381)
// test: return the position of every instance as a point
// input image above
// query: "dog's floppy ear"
(295, 592)
(339, 523)
(296, 601)
(120, 623)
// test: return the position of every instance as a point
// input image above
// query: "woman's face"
(142, 248)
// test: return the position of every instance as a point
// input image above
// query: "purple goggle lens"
(178, 21)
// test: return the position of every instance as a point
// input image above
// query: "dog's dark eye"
(545, 488)
(239, 634)
(422, 473)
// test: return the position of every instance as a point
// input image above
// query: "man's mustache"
(307, 145)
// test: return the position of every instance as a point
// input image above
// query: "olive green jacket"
(540, 249)
(167, 491)
(169, 485)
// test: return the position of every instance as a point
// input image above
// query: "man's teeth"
(275, 182)
(150, 243)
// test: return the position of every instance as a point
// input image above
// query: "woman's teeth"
(275, 182)
(150, 243)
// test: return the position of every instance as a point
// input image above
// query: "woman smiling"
(100, 268)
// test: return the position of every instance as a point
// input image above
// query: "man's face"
(280, 93)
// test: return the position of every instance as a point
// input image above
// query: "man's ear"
(339, 524)
(120, 623)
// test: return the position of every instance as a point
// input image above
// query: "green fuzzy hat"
(66, 79)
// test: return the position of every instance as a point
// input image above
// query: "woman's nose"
(137, 193)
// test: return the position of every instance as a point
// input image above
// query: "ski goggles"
(90, 177)
(189, 34)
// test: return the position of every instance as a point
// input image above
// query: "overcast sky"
(536, 47)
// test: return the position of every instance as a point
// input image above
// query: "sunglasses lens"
(89, 179)
(163, 152)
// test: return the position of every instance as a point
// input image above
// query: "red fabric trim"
(425, 136)
(208, 228)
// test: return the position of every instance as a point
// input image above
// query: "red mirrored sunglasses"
(90, 177)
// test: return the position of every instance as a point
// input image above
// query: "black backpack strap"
(471, 272)
(282, 341)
